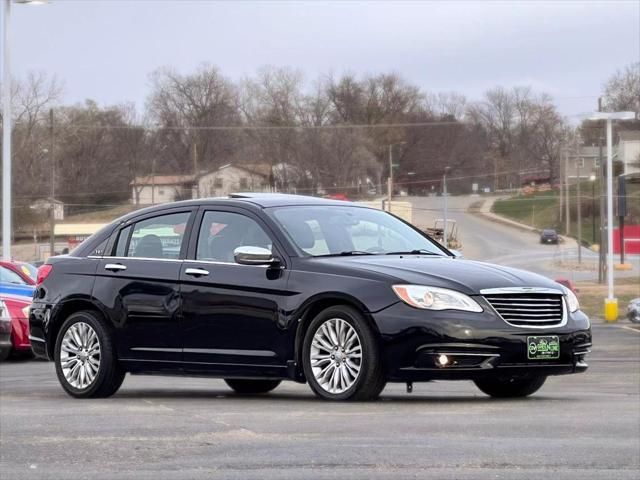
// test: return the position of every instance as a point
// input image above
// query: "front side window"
(222, 232)
(157, 237)
(336, 230)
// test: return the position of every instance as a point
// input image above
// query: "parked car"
(14, 325)
(25, 270)
(13, 283)
(274, 287)
(633, 310)
(549, 236)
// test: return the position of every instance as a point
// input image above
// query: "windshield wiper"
(346, 253)
(415, 252)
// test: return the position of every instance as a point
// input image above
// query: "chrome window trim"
(215, 262)
(209, 262)
(507, 290)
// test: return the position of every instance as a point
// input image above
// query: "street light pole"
(445, 195)
(610, 209)
(593, 208)
(390, 185)
(6, 132)
(6, 124)
(611, 305)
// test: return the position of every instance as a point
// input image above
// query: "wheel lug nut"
(332, 357)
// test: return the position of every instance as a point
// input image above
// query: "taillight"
(43, 273)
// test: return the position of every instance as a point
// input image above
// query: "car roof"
(261, 200)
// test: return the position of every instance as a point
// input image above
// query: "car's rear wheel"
(340, 356)
(251, 387)
(5, 351)
(510, 387)
(85, 357)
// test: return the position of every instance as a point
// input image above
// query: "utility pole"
(445, 236)
(153, 181)
(567, 214)
(52, 213)
(195, 169)
(593, 208)
(560, 204)
(579, 205)
(390, 185)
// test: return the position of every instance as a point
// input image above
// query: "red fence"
(631, 239)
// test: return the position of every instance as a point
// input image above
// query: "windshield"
(337, 230)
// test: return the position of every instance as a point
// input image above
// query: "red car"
(25, 270)
(14, 325)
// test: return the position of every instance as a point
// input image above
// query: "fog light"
(443, 360)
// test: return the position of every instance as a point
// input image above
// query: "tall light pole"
(6, 124)
(592, 178)
(390, 186)
(445, 195)
(611, 304)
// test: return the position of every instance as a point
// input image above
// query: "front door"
(231, 319)
(138, 284)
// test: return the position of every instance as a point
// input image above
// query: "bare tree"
(622, 90)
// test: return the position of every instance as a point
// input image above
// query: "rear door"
(138, 285)
(233, 314)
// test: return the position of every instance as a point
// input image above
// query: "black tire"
(510, 387)
(371, 378)
(5, 352)
(251, 387)
(110, 375)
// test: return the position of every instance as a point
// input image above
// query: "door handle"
(114, 267)
(196, 272)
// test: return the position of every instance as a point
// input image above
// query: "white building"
(153, 189)
(629, 151)
(234, 178)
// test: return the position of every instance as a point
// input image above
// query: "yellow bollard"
(611, 309)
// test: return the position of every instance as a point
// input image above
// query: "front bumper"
(475, 344)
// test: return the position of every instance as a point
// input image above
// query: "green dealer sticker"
(543, 348)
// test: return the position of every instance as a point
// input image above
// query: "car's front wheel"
(510, 387)
(341, 357)
(85, 357)
(251, 387)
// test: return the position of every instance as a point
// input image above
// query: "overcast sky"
(105, 50)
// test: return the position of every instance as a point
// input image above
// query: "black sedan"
(549, 236)
(260, 288)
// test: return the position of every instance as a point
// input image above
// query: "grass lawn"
(592, 295)
(107, 215)
(542, 210)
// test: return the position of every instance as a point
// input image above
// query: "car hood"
(463, 275)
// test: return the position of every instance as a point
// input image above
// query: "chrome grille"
(530, 308)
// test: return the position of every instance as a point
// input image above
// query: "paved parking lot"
(581, 426)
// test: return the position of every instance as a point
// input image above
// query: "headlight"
(572, 300)
(434, 298)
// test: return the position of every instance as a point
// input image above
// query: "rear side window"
(157, 237)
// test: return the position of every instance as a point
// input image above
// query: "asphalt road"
(584, 426)
(493, 242)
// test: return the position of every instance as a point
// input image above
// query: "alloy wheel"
(336, 356)
(80, 355)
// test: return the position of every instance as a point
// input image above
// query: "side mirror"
(249, 255)
(456, 253)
